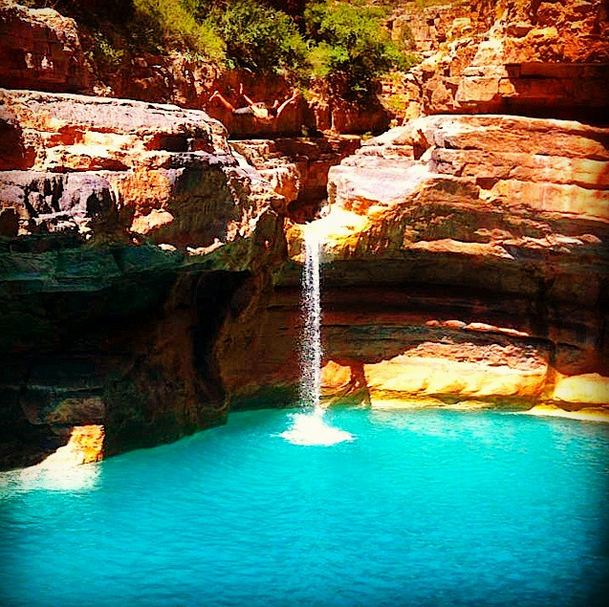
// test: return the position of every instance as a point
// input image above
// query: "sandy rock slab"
(92, 164)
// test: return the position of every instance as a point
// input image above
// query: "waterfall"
(310, 428)
(310, 343)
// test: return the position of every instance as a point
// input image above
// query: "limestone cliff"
(128, 235)
(466, 259)
(466, 255)
(542, 58)
(144, 287)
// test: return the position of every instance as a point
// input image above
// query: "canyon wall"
(466, 254)
(466, 259)
(128, 235)
(148, 282)
(41, 50)
(541, 58)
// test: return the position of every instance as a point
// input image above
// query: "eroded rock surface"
(130, 237)
(297, 168)
(425, 29)
(547, 59)
(466, 259)
(40, 49)
(142, 290)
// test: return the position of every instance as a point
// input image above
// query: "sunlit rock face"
(543, 58)
(142, 283)
(466, 259)
(424, 28)
(169, 171)
(129, 238)
(296, 168)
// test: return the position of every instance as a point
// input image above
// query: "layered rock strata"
(297, 168)
(466, 260)
(547, 59)
(465, 256)
(40, 49)
(129, 236)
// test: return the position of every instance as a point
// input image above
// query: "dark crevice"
(213, 302)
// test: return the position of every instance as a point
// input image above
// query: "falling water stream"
(309, 428)
(311, 350)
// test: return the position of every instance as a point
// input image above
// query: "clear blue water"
(431, 508)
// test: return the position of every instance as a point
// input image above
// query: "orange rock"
(588, 388)
(40, 49)
(335, 376)
(85, 446)
(168, 173)
(533, 58)
(409, 375)
(89, 442)
(296, 168)
(466, 267)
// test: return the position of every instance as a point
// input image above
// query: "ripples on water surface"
(432, 508)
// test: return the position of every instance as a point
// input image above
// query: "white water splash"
(51, 476)
(309, 428)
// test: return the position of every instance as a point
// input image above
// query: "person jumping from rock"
(257, 110)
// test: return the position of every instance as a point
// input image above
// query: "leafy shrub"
(396, 104)
(178, 25)
(260, 37)
(104, 52)
(406, 40)
(352, 47)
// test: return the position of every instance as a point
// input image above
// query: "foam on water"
(50, 478)
(311, 429)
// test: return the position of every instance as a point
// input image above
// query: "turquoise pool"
(426, 508)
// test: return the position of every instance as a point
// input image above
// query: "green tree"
(351, 46)
(178, 26)
(260, 37)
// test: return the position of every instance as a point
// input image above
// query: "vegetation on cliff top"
(343, 42)
(350, 47)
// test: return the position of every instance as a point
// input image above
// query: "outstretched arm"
(248, 100)
(287, 102)
(225, 102)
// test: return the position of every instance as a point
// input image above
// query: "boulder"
(167, 172)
